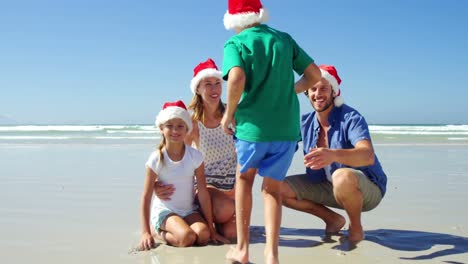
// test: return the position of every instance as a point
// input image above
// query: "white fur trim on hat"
(242, 20)
(211, 72)
(335, 86)
(172, 112)
(339, 101)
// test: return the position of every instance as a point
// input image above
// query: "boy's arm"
(310, 77)
(235, 88)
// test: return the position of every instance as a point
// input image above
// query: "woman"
(216, 146)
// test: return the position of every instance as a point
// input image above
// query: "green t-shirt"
(269, 108)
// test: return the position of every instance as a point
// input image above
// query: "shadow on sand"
(403, 240)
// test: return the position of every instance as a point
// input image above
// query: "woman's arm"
(204, 200)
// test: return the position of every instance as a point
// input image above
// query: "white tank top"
(219, 154)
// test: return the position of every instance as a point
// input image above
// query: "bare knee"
(272, 187)
(287, 192)
(246, 178)
(202, 234)
(203, 237)
(223, 210)
(186, 239)
(229, 231)
(345, 181)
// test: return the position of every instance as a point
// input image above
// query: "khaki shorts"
(322, 193)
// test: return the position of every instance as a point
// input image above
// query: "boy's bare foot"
(271, 260)
(237, 256)
(335, 224)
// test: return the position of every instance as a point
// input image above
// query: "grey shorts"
(160, 215)
(322, 193)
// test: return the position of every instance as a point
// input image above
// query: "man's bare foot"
(335, 224)
(356, 234)
(237, 256)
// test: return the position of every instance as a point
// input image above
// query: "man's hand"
(318, 158)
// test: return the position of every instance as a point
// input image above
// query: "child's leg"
(198, 225)
(176, 232)
(274, 168)
(244, 182)
(271, 191)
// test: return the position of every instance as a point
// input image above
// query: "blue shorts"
(272, 159)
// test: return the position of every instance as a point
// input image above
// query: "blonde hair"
(198, 112)
(161, 145)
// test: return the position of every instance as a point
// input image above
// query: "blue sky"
(102, 61)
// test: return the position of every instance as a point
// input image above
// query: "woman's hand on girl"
(163, 191)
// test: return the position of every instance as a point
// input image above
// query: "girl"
(176, 221)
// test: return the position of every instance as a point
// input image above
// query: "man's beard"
(328, 105)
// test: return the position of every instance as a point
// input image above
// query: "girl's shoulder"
(153, 161)
(194, 155)
(192, 151)
(154, 155)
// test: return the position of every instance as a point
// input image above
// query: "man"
(259, 64)
(342, 170)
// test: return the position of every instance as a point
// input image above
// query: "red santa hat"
(330, 74)
(203, 70)
(242, 13)
(173, 110)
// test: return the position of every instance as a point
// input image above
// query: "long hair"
(196, 105)
(161, 145)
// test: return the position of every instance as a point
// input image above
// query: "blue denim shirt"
(347, 127)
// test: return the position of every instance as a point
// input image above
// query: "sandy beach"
(79, 203)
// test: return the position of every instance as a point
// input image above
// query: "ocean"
(78, 133)
(49, 134)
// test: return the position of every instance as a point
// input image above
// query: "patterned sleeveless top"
(219, 154)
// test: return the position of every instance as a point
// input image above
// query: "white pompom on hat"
(173, 110)
(243, 13)
(203, 70)
(330, 74)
